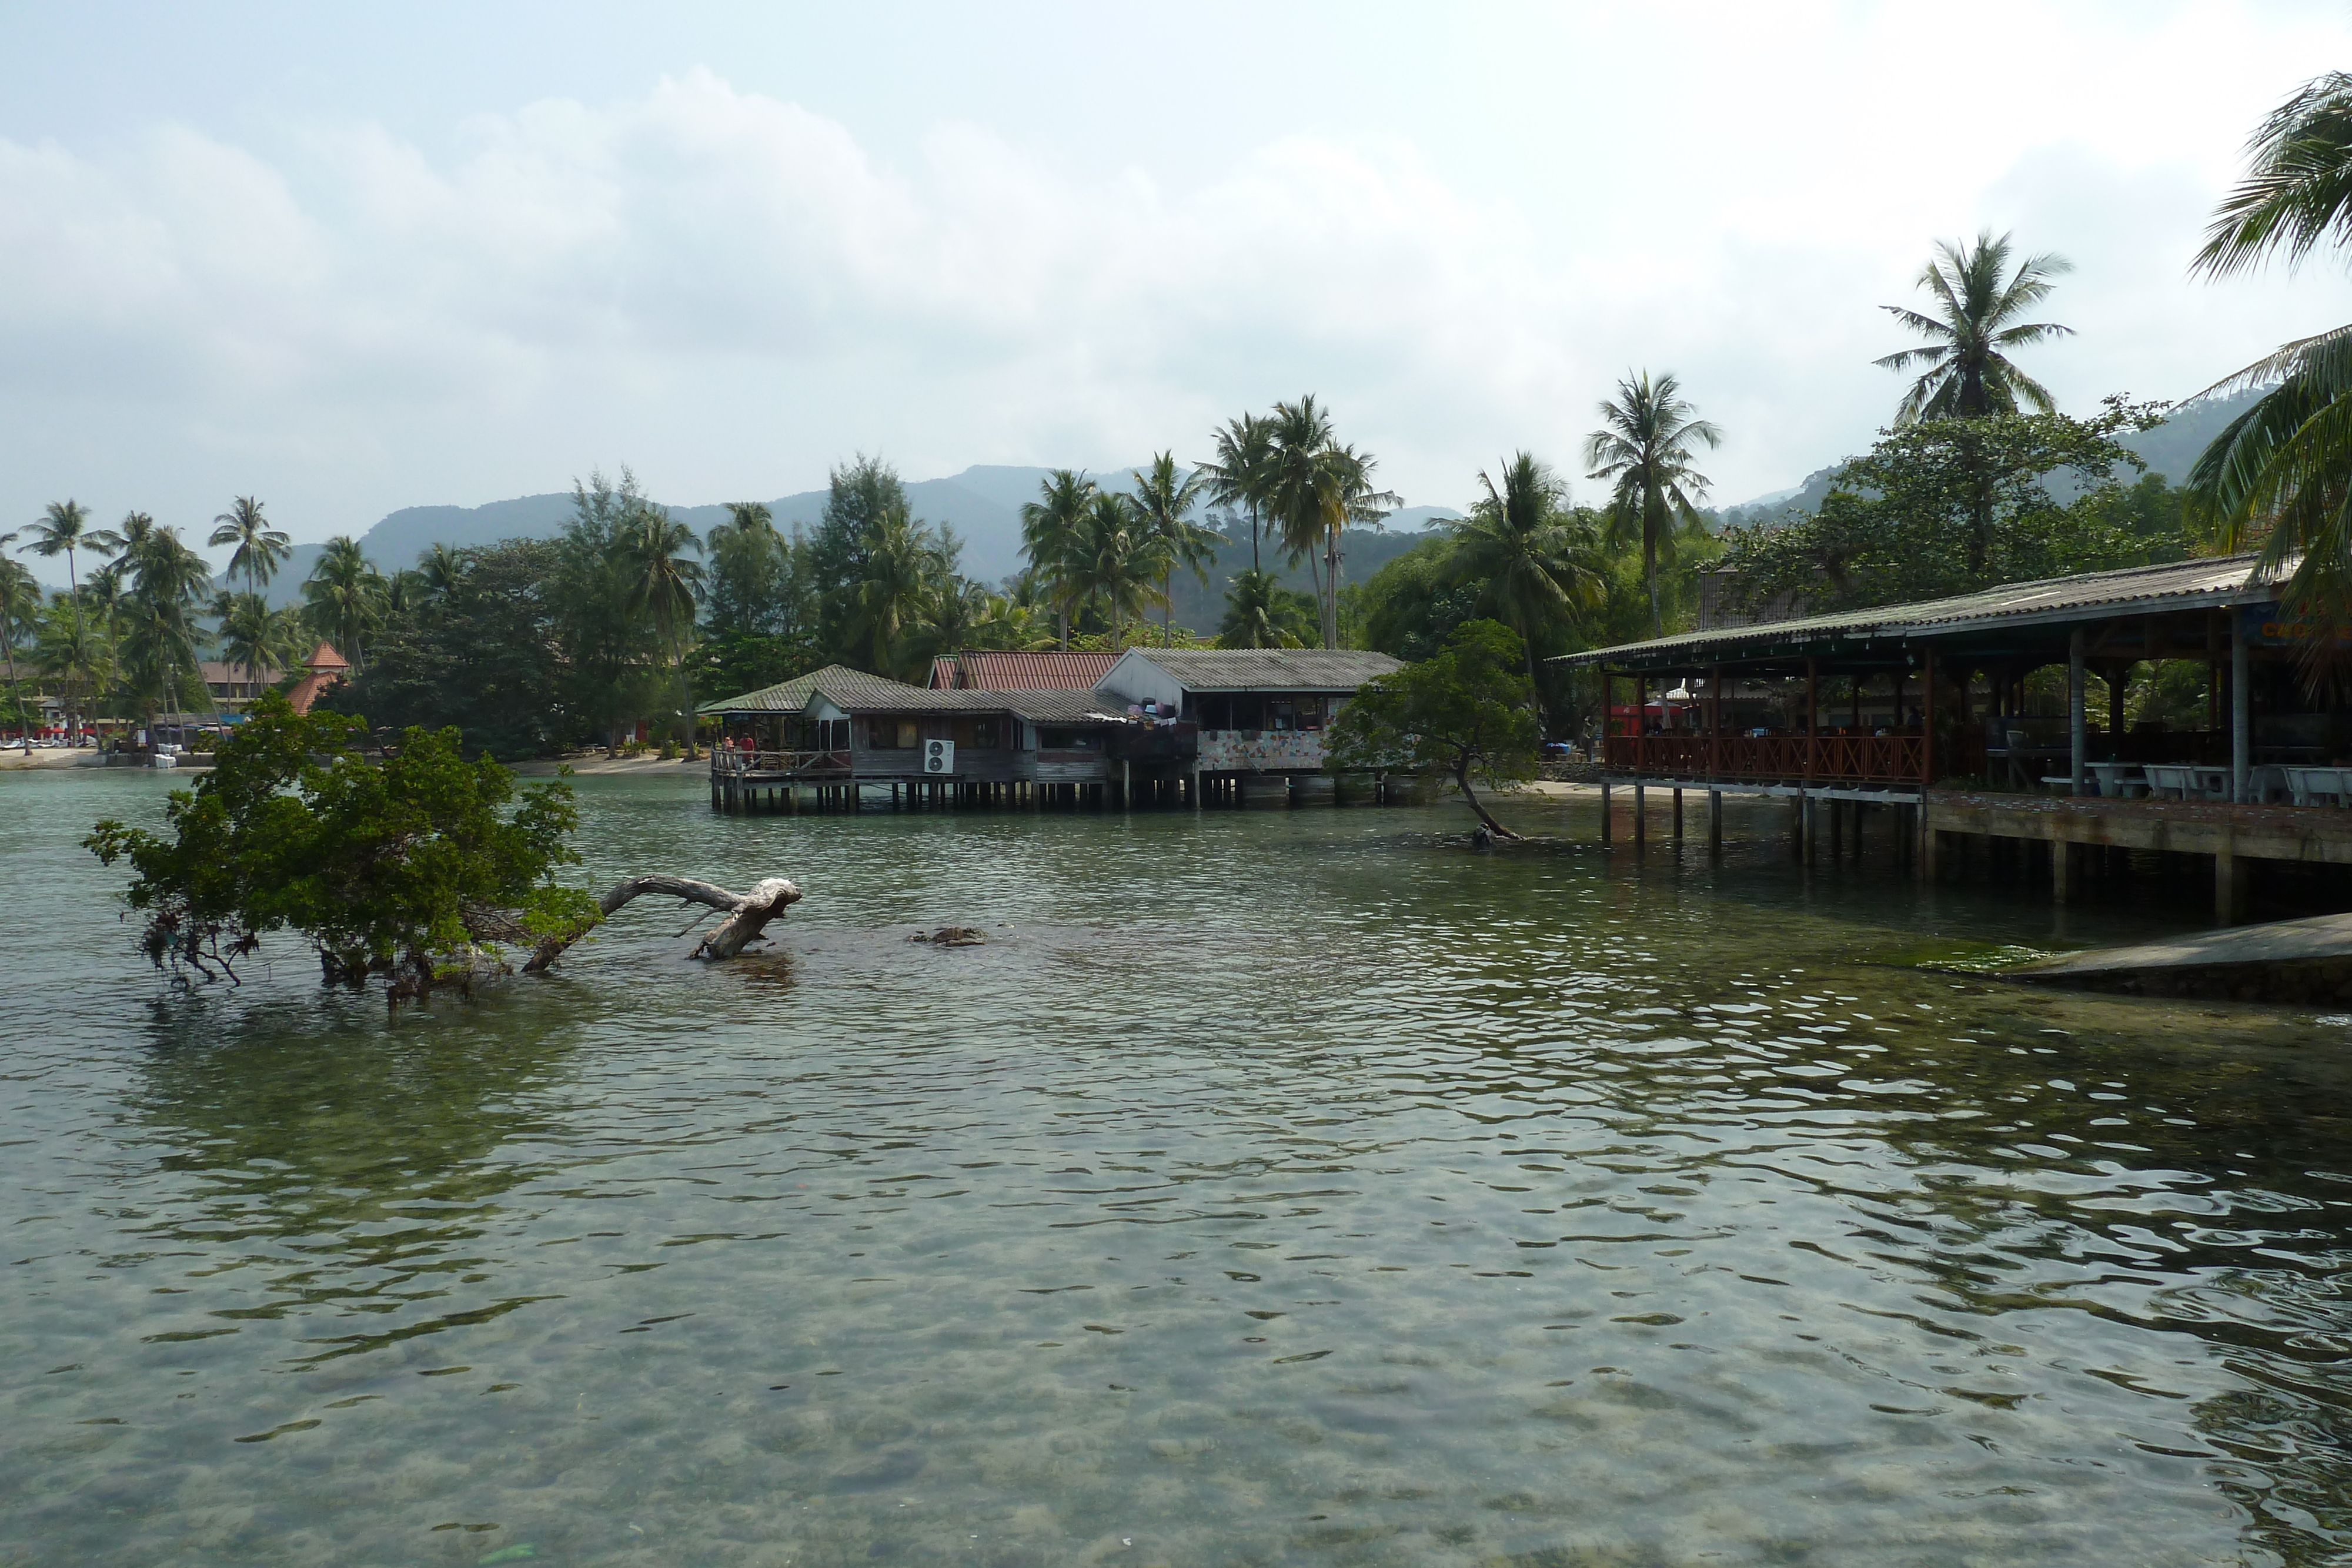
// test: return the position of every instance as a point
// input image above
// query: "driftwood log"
(747, 913)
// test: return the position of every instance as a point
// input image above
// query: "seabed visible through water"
(1269, 1188)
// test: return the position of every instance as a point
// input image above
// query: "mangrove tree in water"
(424, 868)
(1467, 711)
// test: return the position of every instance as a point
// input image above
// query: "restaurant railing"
(802, 762)
(1839, 759)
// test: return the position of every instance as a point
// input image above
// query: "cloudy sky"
(450, 254)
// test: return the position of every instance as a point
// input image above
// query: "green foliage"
(405, 869)
(1965, 371)
(1467, 711)
(1645, 447)
(1950, 505)
(2280, 476)
(482, 652)
(1262, 613)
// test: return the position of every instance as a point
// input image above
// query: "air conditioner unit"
(939, 757)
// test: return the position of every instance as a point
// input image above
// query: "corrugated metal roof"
(855, 691)
(845, 686)
(1270, 669)
(1059, 706)
(2176, 585)
(992, 671)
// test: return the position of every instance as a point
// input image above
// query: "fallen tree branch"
(747, 913)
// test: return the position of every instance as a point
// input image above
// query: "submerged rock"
(951, 937)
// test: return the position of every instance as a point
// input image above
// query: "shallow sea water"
(1272, 1188)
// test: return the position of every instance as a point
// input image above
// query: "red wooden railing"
(1830, 759)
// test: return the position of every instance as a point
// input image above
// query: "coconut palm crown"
(1646, 444)
(2281, 473)
(1965, 369)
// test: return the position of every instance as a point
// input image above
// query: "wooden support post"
(1607, 827)
(1837, 831)
(2242, 706)
(1640, 817)
(1678, 816)
(1808, 824)
(1714, 824)
(2229, 885)
(2062, 871)
(2078, 724)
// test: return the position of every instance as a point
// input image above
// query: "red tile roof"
(1004, 671)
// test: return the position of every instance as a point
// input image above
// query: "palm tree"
(343, 598)
(1262, 613)
(1002, 621)
(1052, 528)
(2281, 473)
(1527, 552)
(1644, 445)
(64, 527)
(659, 583)
(902, 572)
(20, 603)
(1978, 300)
(1315, 488)
(168, 580)
(258, 549)
(441, 569)
(1120, 560)
(1166, 503)
(254, 637)
(1239, 475)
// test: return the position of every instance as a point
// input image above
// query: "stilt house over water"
(1152, 725)
(1930, 709)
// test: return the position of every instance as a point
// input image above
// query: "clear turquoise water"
(1295, 1187)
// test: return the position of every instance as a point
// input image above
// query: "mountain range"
(982, 503)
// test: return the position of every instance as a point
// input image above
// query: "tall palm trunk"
(1331, 580)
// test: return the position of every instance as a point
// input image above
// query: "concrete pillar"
(1714, 824)
(1808, 825)
(2064, 871)
(2242, 723)
(1640, 817)
(1678, 816)
(1607, 827)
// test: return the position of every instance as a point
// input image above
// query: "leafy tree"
(1260, 612)
(2280, 475)
(1528, 554)
(1167, 502)
(1644, 445)
(859, 498)
(407, 869)
(613, 654)
(1965, 371)
(485, 655)
(344, 598)
(1467, 711)
(1949, 506)
(1412, 605)
(761, 615)
(1053, 538)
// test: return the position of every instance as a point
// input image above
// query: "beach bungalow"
(1250, 712)
(839, 730)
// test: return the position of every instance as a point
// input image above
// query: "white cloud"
(732, 292)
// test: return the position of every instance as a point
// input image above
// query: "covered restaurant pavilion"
(1927, 708)
(1905, 695)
